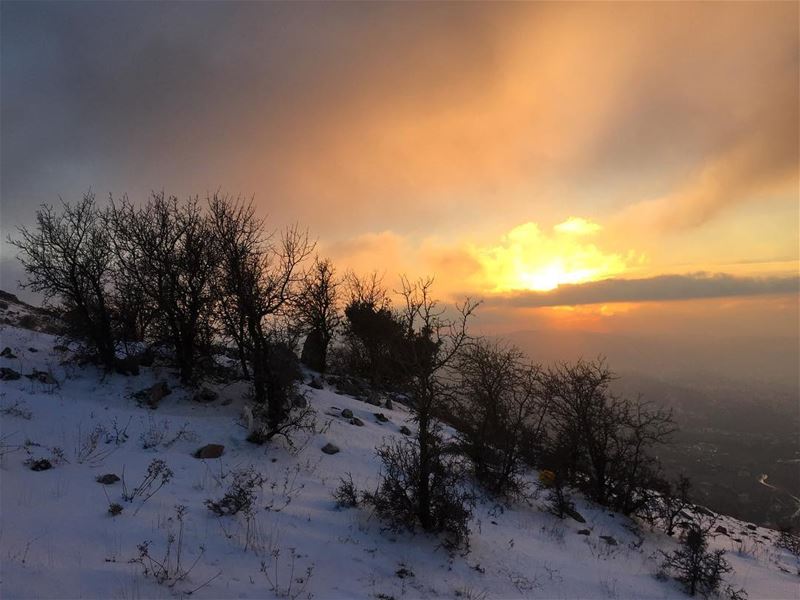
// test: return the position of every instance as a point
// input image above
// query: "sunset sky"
(624, 167)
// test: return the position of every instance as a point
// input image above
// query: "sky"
(612, 167)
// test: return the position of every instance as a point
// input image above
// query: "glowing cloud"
(577, 226)
(529, 259)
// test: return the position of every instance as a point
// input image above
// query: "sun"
(529, 259)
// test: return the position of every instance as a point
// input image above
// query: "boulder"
(347, 413)
(107, 479)
(389, 405)
(357, 422)
(146, 358)
(300, 401)
(583, 532)
(41, 465)
(7, 374)
(42, 377)
(382, 418)
(571, 512)
(154, 394)
(405, 430)
(205, 395)
(315, 383)
(32, 349)
(127, 366)
(7, 353)
(313, 353)
(210, 451)
(609, 539)
(330, 448)
(721, 529)
(373, 399)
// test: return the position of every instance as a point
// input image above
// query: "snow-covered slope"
(57, 539)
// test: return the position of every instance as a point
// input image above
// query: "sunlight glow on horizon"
(529, 259)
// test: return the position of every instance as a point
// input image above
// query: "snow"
(57, 539)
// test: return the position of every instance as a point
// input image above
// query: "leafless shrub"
(157, 476)
(117, 435)
(168, 570)
(88, 448)
(18, 409)
(284, 491)
(282, 579)
(240, 496)
(346, 494)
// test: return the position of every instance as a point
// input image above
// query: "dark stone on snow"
(584, 532)
(347, 413)
(41, 465)
(154, 394)
(32, 349)
(299, 401)
(313, 354)
(571, 512)
(373, 399)
(42, 377)
(107, 479)
(382, 418)
(356, 421)
(7, 374)
(315, 383)
(7, 353)
(389, 405)
(146, 358)
(722, 530)
(205, 395)
(330, 448)
(608, 539)
(127, 366)
(210, 451)
(405, 430)
(403, 572)
(751, 527)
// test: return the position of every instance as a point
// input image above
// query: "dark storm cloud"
(662, 288)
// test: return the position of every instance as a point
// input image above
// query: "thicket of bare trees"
(166, 254)
(499, 412)
(180, 274)
(601, 441)
(192, 276)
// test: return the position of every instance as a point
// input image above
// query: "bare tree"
(609, 437)
(499, 412)
(69, 257)
(316, 309)
(166, 252)
(433, 342)
(259, 277)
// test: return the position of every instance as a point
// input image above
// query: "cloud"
(658, 288)
(357, 118)
(577, 226)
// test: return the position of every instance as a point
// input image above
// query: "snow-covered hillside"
(58, 540)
